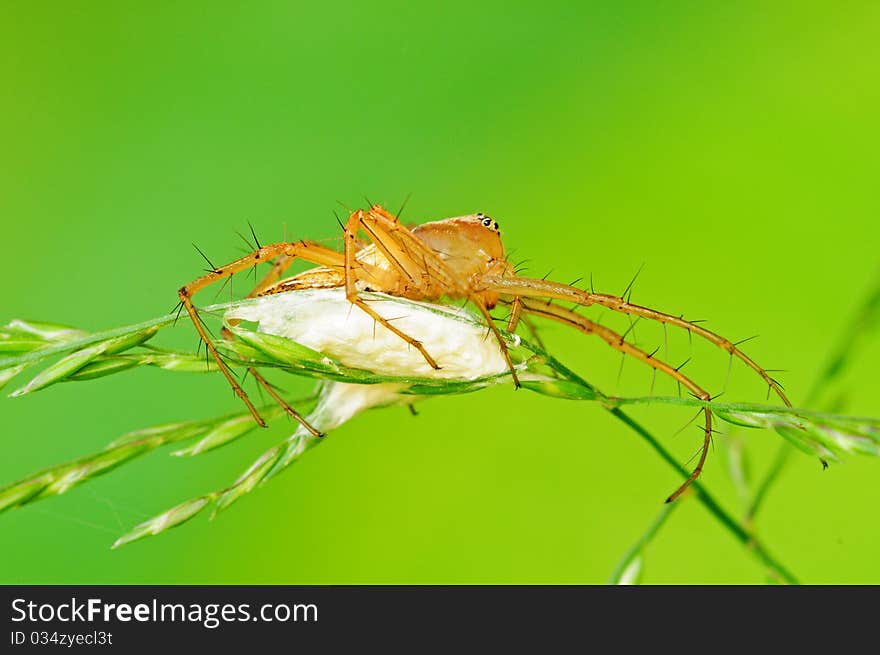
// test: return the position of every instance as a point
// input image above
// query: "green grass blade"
(74, 362)
(226, 432)
(630, 567)
(7, 374)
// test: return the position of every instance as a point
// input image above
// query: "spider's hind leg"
(279, 266)
(270, 389)
(302, 249)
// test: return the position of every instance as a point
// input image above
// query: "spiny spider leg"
(501, 342)
(433, 269)
(617, 341)
(516, 317)
(533, 288)
(425, 271)
(263, 382)
(279, 266)
(305, 250)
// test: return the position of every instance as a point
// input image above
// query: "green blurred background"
(731, 148)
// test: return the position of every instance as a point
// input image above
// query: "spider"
(460, 258)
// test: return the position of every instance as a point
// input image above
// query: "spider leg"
(305, 250)
(423, 268)
(516, 307)
(617, 341)
(516, 317)
(284, 404)
(279, 265)
(503, 345)
(534, 288)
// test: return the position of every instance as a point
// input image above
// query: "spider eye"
(487, 221)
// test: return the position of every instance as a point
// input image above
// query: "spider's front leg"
(515, 286)
(570, 318)
(403, 264)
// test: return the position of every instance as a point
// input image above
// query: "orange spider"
(455, 258)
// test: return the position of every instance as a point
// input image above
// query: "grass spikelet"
(61, 478)
(165, 521)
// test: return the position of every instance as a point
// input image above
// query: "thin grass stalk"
(740, 533)
(632, 558)
(866, 321)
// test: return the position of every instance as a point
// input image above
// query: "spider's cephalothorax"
(456, 258)
(471, 246)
